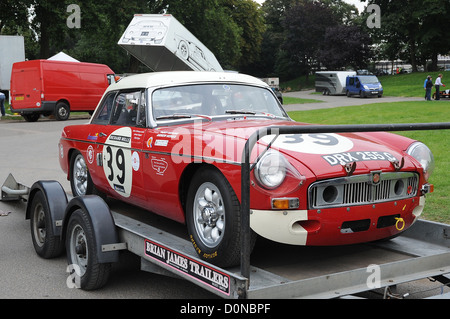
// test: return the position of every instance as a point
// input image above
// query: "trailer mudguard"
(56, 199)
(103, 226)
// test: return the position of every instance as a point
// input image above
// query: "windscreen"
(214, 100)
(369, 80)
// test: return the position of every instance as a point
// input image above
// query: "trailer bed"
(284, 271)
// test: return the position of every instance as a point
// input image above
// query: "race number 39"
(117, 161)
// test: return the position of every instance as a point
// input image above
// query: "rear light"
(42, 96)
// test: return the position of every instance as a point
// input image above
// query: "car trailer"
(94, 234)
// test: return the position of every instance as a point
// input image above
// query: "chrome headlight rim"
(271, 169)
(424, 156)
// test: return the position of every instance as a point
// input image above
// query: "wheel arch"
(104, 228)
(69, 159)
(64, 100)
(56, 199)
(187, 175)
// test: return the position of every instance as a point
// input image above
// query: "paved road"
(330, 101)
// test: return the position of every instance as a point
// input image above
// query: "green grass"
(438, 203)
(410, 84)
(407, 85)
(10, 115)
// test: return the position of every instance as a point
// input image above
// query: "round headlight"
(270, 171)
(423, 155)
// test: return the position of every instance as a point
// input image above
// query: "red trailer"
(57, 87)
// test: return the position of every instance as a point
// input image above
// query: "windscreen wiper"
(240, 112)
(183, 116)
(174, 116)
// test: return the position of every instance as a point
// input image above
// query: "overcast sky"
(360, 5)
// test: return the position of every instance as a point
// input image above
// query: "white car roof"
(170, 78)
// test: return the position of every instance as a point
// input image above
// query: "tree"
(13, 16)
(413, 28)
(46, 22)
(247, 15)
(432, 39)
(305, 25)
(344, 46)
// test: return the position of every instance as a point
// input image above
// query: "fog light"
(285, 203)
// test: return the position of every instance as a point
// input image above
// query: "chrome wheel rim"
(209, 215)
(80, 175)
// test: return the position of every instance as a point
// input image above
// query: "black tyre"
(62, 111)
(31, 117)
(45, 243)
(86, 272)
(213, 218)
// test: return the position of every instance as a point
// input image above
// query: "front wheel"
(213, 218)
(62, 111)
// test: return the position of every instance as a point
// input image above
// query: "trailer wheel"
(45, 243)
(62, 111)
(213, 218)
(86, 272)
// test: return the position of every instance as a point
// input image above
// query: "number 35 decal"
(312, 143)
(117, 161)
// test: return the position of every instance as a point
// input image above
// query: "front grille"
(362, 189)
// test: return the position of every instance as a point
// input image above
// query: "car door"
(119, 131)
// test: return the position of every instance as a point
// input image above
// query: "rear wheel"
(33, 117)
(80, 180)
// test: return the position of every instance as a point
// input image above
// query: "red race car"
(172, 143)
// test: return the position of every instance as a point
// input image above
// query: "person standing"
(428, 87)
(425, 85)
(2, 103)
(438, 84)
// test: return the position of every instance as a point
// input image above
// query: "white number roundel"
(311, 143)
(117, 161)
